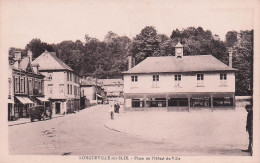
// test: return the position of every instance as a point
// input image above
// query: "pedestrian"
(111, 111)
(117, 107)
(249, 127)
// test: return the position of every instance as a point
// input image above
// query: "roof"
(89, 82)
(110, 81)
(25, 65)
(196, 63)
(179, 45)
(49, 61)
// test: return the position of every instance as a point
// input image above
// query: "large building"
(179, 83)
(25, 87)
(61, 83)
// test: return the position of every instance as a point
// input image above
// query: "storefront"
(21, 106)
(179, 101)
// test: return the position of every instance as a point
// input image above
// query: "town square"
(129, 81)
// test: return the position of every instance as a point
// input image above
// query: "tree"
(243, 62)
(197, 41)
(37, 47)
(145, 44)
(231, 38)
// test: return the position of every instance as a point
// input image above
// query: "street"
(84, 133)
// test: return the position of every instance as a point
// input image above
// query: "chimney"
(130, 60)
(230, 52)
(18, 57)
(30, 55)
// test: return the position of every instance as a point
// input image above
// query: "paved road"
(84, 133)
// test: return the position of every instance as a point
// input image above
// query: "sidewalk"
(223, 130)
(27, 120)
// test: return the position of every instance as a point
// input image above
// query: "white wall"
(57, 79)
(188, 83)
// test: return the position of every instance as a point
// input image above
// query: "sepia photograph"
(137, 80)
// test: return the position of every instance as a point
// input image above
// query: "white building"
(179, 83)
(61, 84)
(114, 88)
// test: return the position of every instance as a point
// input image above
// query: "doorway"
(57, 108)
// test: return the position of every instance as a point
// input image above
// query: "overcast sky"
(55, 21)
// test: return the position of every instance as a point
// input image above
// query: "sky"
(59, 20)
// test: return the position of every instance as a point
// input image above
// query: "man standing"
(249, 127)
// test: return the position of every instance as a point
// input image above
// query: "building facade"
(179, 83)
(61, 83)
(91, 89)
(26, 88)
(114, 88)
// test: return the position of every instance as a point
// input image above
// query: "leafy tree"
(145, 44)
(197, 41)
(38, 47)
(243, 62)
(231, 38)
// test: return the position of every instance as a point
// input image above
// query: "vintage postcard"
(130, 81)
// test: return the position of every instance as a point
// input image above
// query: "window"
(223, 101)
(155, 81)
(17, 85)
(200, 101)
(68, 89)
(30, 86)
(71, 89)
(155, 102)
(177, 101)
(200, 79)
(49, 76)
(40, 87)
(177, 80)
(134, 78)
(22, 85)
(75, 90)
(9, 86)
(223, 79)
(35, 84)
(61, 88)
(49, 88)
(68, 76)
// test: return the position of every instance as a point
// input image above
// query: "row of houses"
(167, 83)
(48, 81)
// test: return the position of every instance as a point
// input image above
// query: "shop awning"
(10, 101)
(24, 100)
(43, 99)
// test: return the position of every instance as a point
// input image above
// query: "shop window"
(223, 79)
(200, 102)
(156, 102)
(200, 79)
(177, 80)
(178, 102)
(223, 101)
(155, 81)
(137, 102)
